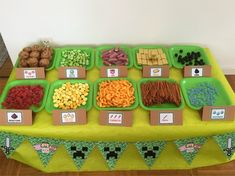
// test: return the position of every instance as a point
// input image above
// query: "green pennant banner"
(190, 147)
(112, 151)
(10, 142)
(79, 151)
(226, 143)
(45, 148)
(149, 151)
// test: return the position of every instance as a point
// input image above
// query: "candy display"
(203, 94)
(160, 92)
(115, 93)
(189, 58)
(114, 56)
(74, 57)
(151, 57)
(35, 56)
(23, 97)
(71, 96)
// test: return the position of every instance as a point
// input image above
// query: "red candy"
(115, 56)
(22, 97)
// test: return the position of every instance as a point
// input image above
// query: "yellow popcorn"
(71, 96)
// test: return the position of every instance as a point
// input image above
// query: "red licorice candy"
(22, 97)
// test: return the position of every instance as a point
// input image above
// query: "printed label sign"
(212, 113)
(155, 72)
(112, 72)
(71, 73)
(115, 118)
(197, 72)
(30, 74)
(169, 117)
(14, 117)
(217, 114)
(166, 118)
(68, 117)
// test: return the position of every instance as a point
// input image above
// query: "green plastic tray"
(136, 49)
(188, 83)
(99, 50)
(89, 50)
(52, 62)
(11, 84)
(96, 87)
(186, 48)
(165, 106)
(57, 84)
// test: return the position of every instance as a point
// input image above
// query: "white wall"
(207, 22)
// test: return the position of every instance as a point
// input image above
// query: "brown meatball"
(47, 49)
(36, 48)
(32, 62)
(35, 54)
(23, 63)
(46, 55)
(24, 55)
(44, 63)
(27, 49)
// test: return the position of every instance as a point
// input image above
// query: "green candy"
(75, 57)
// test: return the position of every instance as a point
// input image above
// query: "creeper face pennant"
(190, 147)
(10, 142)
(79, 151)
(150, 150)
(44, 147)
(112, 151)
(226, 143)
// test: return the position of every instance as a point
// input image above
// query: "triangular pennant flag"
(150, 150)
(189, 147)
(111, 151)
(226, 143)
(79, 151)
(10, 142)
(45, 148)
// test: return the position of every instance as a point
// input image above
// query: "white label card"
(197, 72)
(217, 114)
(14, 117)
(115, 118)
(112, 72)
(68, 117)
(71, 73)
(166, 118)
(155, 72)
(30, 74)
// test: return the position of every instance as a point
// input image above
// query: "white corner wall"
(207, 22)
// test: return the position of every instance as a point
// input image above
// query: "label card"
(211, 113)
(156, 71)
(113, 71)
(15, 117)
(197, 71)
(168, 117)
(116, 118)
(30, 73)
(71, 72)
(69, 117)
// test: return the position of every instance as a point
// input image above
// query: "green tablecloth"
(170, 158)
